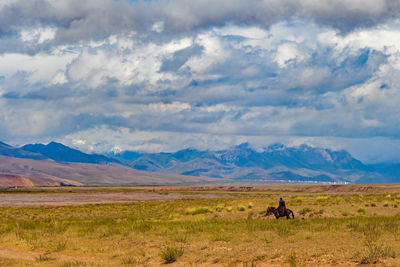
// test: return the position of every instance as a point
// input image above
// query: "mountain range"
(55, 164)
(273, 163)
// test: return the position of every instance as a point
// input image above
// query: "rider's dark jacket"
(281, 204)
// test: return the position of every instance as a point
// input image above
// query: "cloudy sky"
(105, 75)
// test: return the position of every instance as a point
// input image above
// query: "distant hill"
(12, 180)
(9, 151)
(61, 153)
(53, 151)
(73, 173)
(275, 162)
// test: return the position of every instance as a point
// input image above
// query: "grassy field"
(337, 229)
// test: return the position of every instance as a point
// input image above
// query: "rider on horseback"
(281, 211)
(282, 206)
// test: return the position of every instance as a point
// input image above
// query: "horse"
(278, 213)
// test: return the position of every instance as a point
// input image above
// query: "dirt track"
(65, 199)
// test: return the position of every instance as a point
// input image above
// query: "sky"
(103, 75)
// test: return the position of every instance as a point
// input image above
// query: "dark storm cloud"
(96, 19)
(344, 15)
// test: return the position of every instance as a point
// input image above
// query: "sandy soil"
(57, 199)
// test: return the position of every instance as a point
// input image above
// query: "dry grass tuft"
(171, 254)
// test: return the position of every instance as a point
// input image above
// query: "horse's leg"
(276, 215)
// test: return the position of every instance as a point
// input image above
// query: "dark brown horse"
(280, 213)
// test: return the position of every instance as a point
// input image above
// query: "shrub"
(229, 209)
(61, 245)
(171, 254)
(293, 260)
(250, 205)
(197, 210)
(345, 213)
(373, 249)
(361, 210)
(386, 204)
(373, 205)
(219, 208)
(241, 208)
(372, 254)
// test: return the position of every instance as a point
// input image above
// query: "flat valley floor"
(335, 225)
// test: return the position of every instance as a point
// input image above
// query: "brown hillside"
(11, 180)
(92, 174)
(8, 180)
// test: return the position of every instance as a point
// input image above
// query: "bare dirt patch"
(16, 254)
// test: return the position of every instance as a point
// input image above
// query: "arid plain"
(335, 225)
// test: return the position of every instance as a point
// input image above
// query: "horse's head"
(271, 210)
